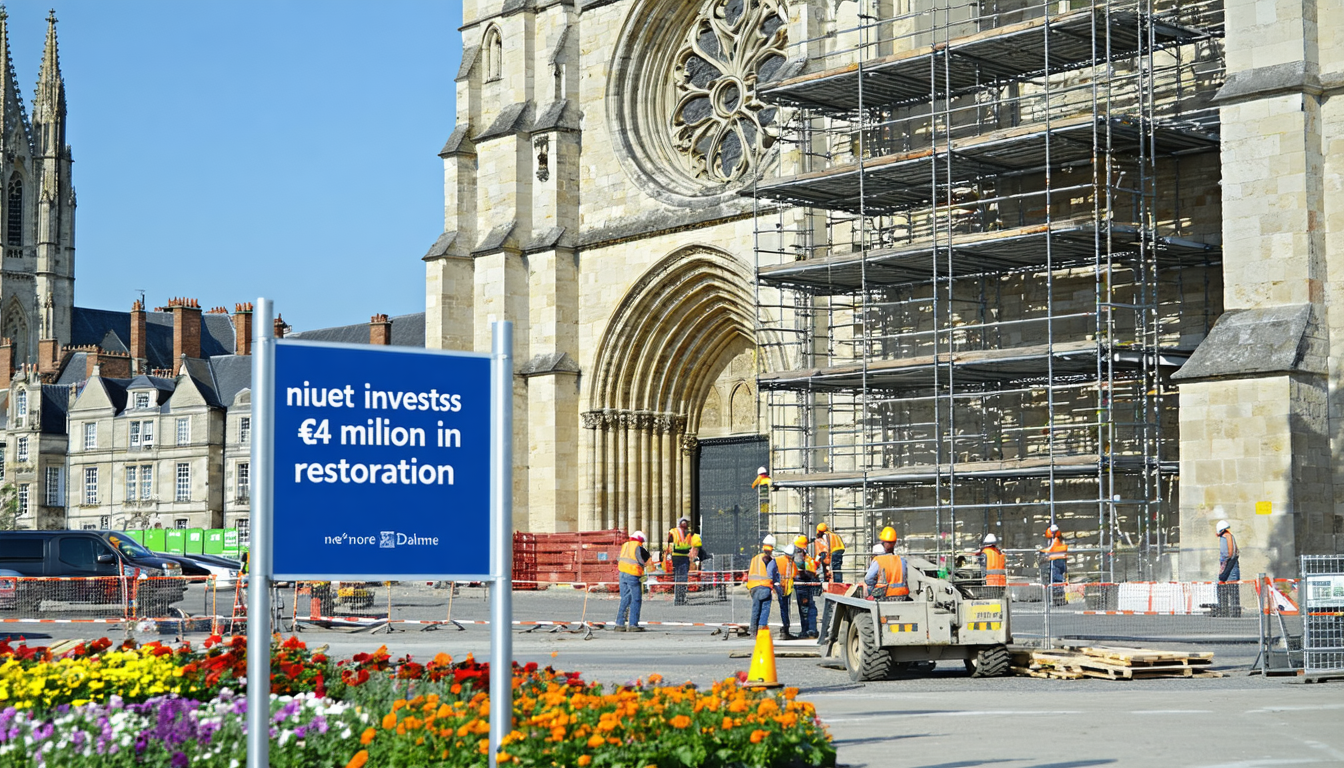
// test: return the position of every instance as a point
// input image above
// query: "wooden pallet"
(1112, 663)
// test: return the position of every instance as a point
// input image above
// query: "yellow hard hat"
(695, 539)
(821, 528)
(887, 534)
(801, 541)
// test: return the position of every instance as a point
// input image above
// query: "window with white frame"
(21, 406)
(89, 527)
(146, 481)
(183, 482)
(104, 522)
(139, 480)
(90, 485)
(244, 480)
(184, 430)
(245, 430)
(181, 523)
(244, 527)
(23, 499)
(21, 450)
(55, 488)
(90, 436)
(132, 478)
(141, 400)
(142, 434)
(2, 471)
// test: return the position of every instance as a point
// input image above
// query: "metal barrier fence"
(107, 600)
(1323, 635)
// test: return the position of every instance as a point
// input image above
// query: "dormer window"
(141, 400)
(494, 54)
(14, 213)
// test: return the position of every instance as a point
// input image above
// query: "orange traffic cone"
(762, 672)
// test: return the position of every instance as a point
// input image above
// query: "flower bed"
(155, 705)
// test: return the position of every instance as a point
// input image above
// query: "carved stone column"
(623, 486)
(591, 515)
(662, 427)
(689, 443)
(611, 424)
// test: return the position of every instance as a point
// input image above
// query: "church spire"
(11, 103)
(49, 100)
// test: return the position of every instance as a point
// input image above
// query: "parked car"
(108, 554)
(224, 570)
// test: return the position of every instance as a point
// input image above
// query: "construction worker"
(762, 578)
(886, 577)
(1056, 554)
(805, 586)
(994, 565)
(831, 552)
(1229, 571)
(631, 562)
(788, 571)
(680, 549)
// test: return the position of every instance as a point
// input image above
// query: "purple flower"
(43, 731)
(179, 760)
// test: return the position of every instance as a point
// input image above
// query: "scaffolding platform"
(895, 182)
(965, 64)
(1070, 358)
(1065, 465)
(1070, 244)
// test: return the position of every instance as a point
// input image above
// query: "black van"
(84, 553)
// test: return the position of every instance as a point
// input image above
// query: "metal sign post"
(259, 557)
(377, 463)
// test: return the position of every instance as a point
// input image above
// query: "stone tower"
(37, 225)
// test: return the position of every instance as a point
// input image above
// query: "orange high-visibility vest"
(757, 575)
(1232, 550)
(629, 559)
(834, 543)
(1058, 549)
(891, 572)
(819, 550)
(788, 571)
(996, 574)
(681, 542)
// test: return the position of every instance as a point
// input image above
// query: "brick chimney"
(380, 330)
(139, 346)
(6, 361)
(186, 330)
(280, 327)
(242, 327)
(48, 355)
(110, 365)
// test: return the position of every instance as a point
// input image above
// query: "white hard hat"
(991, 538)
(638, 535)
(681, 520)
(1223, 525)
(1053, 528)
(769, 540)
(789, 549)
(878, 549)
(762, 471)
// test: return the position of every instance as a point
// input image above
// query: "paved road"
(948, 720)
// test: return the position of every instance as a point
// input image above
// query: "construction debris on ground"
(1111, 663)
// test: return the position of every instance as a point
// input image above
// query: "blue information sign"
(382, 463)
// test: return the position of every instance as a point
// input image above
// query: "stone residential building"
(957, 268)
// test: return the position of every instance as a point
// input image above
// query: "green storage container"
(176, 540)
(231, 543)
(155, 540)
(214, 542)
(137, 536)
(195, 541)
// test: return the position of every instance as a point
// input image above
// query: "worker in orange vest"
(886, 577)
(1229, 571)
(631, 562)
(806, 585)
(1056, 553)
(831, 552)
(762, 579)
(995, 566)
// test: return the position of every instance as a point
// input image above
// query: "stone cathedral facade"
(37, 228)
(599, 194)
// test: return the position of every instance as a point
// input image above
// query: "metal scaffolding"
(994, 237)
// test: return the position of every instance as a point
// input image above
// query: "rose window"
(718, 125)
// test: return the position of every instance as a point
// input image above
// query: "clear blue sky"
(227, 150)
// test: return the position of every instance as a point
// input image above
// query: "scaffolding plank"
(895, 182)
(1035, 466)
(1003, 53)
(1072, 243)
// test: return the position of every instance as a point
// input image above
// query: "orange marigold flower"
(680, 721)
(596, 741)
(585, 760)
(483, 746)
(367, 736)
(503, 757)
(361, 757)
(398, 704)
(727, 724)
(758, 736)
(389, 721)
(790, 693)
(557, 733)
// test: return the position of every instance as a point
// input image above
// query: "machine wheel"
(864, 658)
(989, 662)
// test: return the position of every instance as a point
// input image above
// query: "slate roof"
(407, 331)
(233, 374)
(112, 330)
(75, 369)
